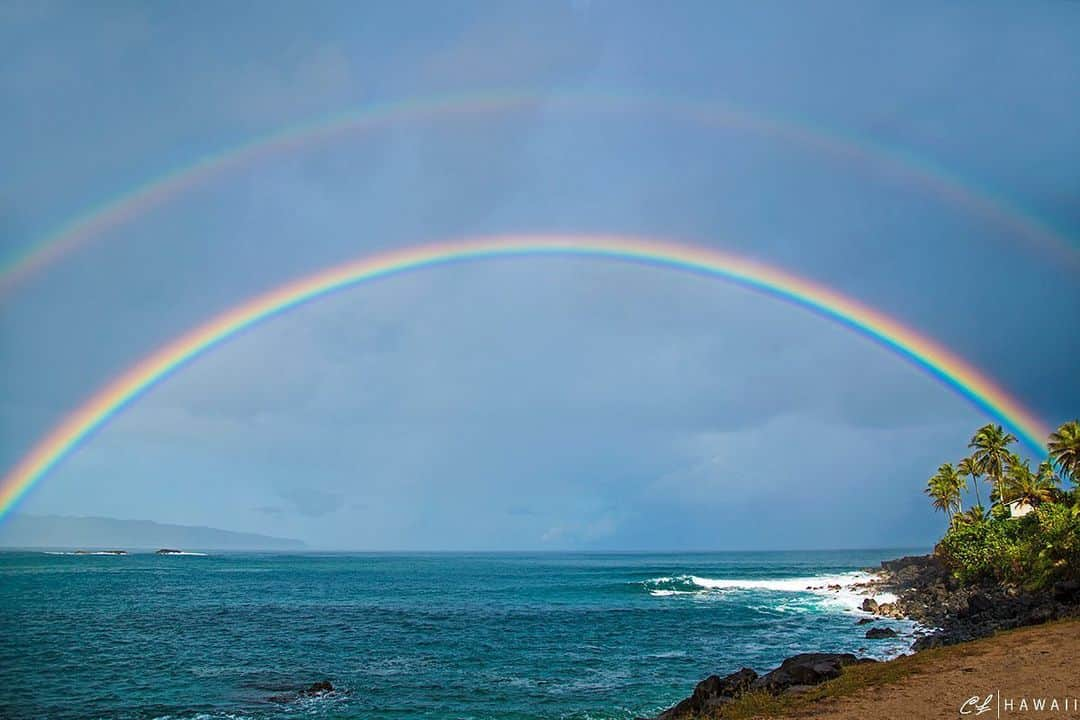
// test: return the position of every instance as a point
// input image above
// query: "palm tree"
(967, 468)
(1065, 450)
(954, 482)
(1046, 477)
(1017, 474)
(1046, 472)
(991, 446)
(944, 487)
(1032, 488)
(974, 514)
(940, 494)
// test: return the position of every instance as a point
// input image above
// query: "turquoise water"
(406, 636)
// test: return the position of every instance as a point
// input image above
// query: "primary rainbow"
(922, 351)
(133, 203)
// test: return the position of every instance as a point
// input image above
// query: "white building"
(1019, 508)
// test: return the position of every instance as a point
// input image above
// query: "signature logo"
(976, 705)
(1001, 705)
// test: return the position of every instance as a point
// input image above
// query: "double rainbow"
(898, 163)
(925, 353)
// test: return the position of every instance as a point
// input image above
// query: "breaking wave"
(846, 590)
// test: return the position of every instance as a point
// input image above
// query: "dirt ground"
(1036, 662)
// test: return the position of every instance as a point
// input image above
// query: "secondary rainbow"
(898, 163)
(948, 367)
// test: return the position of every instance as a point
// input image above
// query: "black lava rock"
(711, 693)
(319, 688)
(979, 603)
(879, 633)
(804, 669)
(314, 690)
(1067, 591)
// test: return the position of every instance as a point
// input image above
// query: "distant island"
(101, 533)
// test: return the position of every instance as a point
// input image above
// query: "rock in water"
(880, 632)
(869, 605)
(314, 690)
(796, 674)
(887, 610)
(710, 694)
(865, 621)
(804, 669)
(318, 688)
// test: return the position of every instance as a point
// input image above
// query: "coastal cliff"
(955, 612)
(947, 611)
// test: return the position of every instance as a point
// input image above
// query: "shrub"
(1054, 549)
(1033, 551)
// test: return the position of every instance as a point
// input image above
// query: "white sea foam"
(184, 552)
(838, 590)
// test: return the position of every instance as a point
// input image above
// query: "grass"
(856, 678)
(853, 679)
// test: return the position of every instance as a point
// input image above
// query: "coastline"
(948, 612)
(1023, 672)
(916, 589)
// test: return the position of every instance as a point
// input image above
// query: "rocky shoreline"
(945, 613)
(796, 674)
(952, 613)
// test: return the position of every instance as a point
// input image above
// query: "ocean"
(484, 636)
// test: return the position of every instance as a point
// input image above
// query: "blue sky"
(537, 403)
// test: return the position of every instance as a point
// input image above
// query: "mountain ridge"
(94, 532)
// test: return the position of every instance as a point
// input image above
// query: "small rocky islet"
(316, 689)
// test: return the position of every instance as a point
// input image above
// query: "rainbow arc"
(925, 353)
(898, 163)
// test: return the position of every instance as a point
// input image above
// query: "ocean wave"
(844, 590)
(81, 553)
(677, 585)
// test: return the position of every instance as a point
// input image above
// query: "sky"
(539, 404)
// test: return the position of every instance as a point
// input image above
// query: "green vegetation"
(1065, 449)
(1031, 535)
(944, 488)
